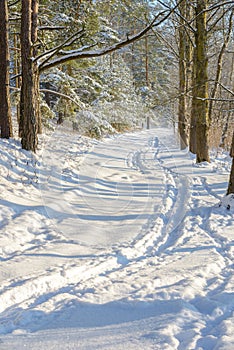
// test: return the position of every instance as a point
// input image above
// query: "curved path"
(128, 249)
(117, 191)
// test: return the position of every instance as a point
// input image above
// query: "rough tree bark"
(193, 117)
(28, 121)
(200, 99)
(5, 109)
(231, 179)
(229, 113)
(36, 74)
(184, 74)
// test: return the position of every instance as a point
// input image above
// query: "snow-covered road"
(118, 189)
(121, 245)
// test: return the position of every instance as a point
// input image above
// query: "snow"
(112, 244)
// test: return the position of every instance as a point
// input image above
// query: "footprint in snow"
(227, 202)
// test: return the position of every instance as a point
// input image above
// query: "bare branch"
(226, 89)
(212, 26)
(211, 8)
(51, 27)
(215, 99)
(14, 3)
(161, 38)
(219, 64)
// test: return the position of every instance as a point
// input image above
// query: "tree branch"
(51, 27)
(77, 54)
(50, 53)
(220, 5)
(81, 105)
(14, 3)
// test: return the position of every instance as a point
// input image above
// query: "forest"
(116, 174)
(107, 66)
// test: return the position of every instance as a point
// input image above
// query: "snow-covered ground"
(119, 244)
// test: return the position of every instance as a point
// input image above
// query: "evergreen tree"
(5, 111)
(231, 179)
(29, 98)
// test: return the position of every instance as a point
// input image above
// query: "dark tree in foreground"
(231, 179)
(200, 98)
(5, 111)
(28, 127)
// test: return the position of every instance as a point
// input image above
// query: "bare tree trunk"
(219, 66)
(228, 118)
(35, 8)
(201, 81)
(146, 61)
(193, 118)
(182, 127)
(5, 108)
(184, 76)
(17, 70)
(28, 120)
(231, 179)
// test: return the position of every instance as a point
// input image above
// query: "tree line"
(197, 37)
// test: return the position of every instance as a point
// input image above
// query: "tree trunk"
(5, 108)
(184, 76)
(193, 118)
(17, 70)
(34, 36)
(201, 82)
(229, 115)
(231, 179)
(219, 67)
(146, 61)
(182, 100)
(28, 120)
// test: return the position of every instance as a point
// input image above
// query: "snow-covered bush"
(47, 114)
(100, 98)
(89, 124)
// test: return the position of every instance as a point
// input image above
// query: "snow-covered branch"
(80, 104)
(50, 53)
(78, 54)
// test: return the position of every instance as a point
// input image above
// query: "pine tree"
(231, 179)
(30, 80)
(5, 110)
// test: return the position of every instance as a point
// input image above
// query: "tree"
(185, 50)
(5, 110)
(30, 89)
(57, 56)
(224, 46)
(200, 82)
(231, 179)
